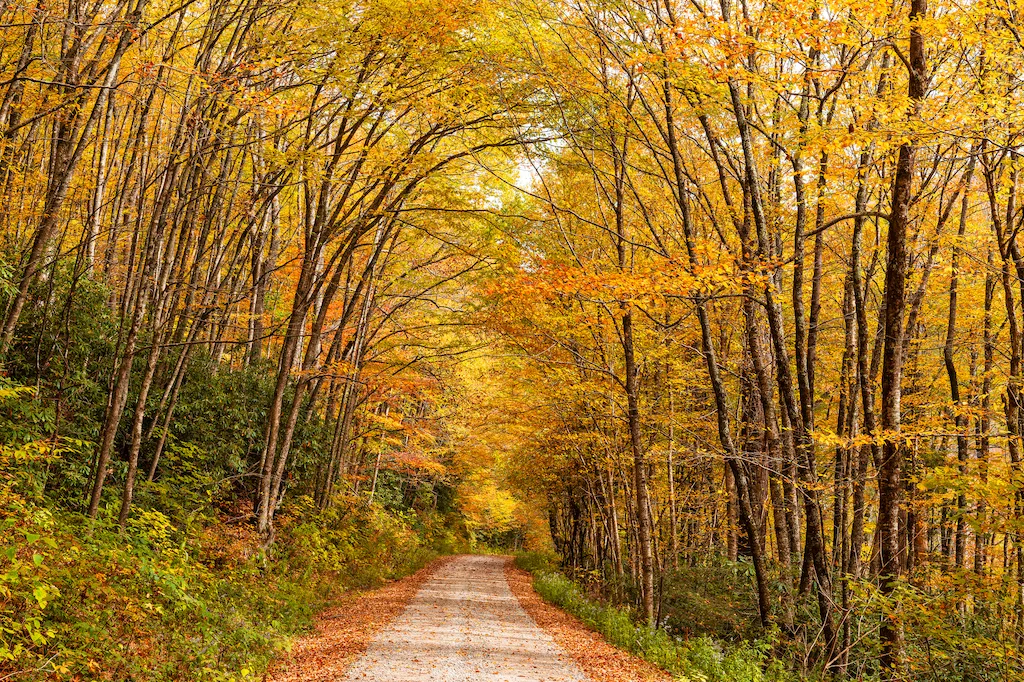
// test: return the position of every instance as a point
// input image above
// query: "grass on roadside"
(697, 659)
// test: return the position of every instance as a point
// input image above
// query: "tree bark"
(890, 484)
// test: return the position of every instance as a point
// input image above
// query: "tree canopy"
(722, 302)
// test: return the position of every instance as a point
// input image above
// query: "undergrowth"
(695, 659)
(82, 600)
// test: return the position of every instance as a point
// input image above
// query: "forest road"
(464, 625)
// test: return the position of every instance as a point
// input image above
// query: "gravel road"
(464, 625)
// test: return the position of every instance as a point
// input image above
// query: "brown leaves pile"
(601, 661)
(344, 631)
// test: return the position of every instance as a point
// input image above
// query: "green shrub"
(88, 602)
(360, 545)
(716, 599)
(79, 598)
(536, 561)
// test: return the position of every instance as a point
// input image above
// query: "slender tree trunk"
(890, 484)
(959, 418)
(673, 527)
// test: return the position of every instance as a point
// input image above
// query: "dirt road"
(464, 625)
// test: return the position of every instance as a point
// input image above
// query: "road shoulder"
(344, 631)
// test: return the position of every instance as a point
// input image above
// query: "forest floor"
(460, 619)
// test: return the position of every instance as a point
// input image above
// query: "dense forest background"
(720, 303)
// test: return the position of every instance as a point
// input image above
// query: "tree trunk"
(890, 484)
